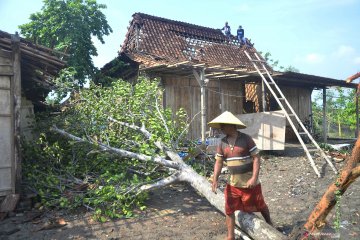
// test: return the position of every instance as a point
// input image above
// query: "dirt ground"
(289, 184)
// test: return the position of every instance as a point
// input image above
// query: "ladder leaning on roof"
(275, 91)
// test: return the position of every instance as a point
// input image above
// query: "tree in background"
(68, 26)
(275, 64)
(340, 105)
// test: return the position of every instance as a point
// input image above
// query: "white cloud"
(344, 51)
(357, 60)
(314, 58)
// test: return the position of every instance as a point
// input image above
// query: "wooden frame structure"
(194, 62)
(26, 70)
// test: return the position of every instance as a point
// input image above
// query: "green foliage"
(69, 174)
(65, 83)
(68, 26)
(341, 110)
(275, 63)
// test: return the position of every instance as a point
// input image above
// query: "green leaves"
(68, 26)
(340, 113)
(81, 174)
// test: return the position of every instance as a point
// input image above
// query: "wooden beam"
(263, 97)
(324, 116)
(200, 77)
(213, 74)
(203, 107)
(213, 70)
(227, 75)
(199, 65)
(177, 64)
(16, 58)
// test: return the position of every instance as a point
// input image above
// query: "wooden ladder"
(275, 91)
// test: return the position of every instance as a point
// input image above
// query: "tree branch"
(185, 129)
(121, 152)
(163, 182)
(161, 116)
(142, 129)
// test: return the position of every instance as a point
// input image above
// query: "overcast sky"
(319, 37)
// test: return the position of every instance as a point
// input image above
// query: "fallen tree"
(349, 173)
(107, 159)
(249, 223)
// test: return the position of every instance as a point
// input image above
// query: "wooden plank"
(177, 64)
(6, 70)
(9, 203)
(5, 102)
(4, 54)
(266, 128)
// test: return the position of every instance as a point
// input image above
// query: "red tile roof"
(154, 41)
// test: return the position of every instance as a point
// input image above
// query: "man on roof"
(227, 30)
(243, 190)
(240, 35)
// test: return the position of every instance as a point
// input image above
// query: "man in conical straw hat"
(243, 190)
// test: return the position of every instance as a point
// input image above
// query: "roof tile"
(165, 41)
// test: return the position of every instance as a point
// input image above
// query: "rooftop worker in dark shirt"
(240, 35)
(227, 30)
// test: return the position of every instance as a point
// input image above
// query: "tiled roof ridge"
(185, 24)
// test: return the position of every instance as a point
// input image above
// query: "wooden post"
(324, 116)
(263, 92)
(221, 95)
(357, 114)
(15, 44)
(201, 80)
(203, 106)
(243, 98)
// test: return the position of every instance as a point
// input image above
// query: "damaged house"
(206, 73)
(26, 70)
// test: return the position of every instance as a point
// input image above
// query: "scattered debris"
(52, 223)
(339, 147)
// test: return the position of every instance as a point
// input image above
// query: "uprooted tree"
(110, 146)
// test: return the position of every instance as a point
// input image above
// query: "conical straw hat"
(226, 118)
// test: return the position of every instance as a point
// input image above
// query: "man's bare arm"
(256, 169)
(217, 171)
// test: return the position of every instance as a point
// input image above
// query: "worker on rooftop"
(227, 30)
(240, 35)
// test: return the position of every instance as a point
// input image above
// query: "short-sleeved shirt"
(240, 33)
(239, 158)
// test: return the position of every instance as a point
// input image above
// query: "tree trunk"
(252, 225)
(255, 227)
(349, 173)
